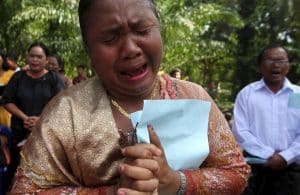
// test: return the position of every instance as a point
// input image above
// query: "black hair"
(81, 66)
(84, 6)
(5, 65)
(11, 57)
(41, 45)
(59, 60)
(173, 71)
(261, 55)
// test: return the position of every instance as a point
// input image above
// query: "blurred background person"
(80, 74)
(5, 75)
(176, 73)
(12, 63)
(261, 126)
(55, 63)
(5, 159)
(25, 96)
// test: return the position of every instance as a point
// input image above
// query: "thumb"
(154, 139)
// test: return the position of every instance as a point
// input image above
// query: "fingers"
(30, 122)
(150, 164)
(137, 173)
(276, 162)
(140, 169)
(141, 151)
(140, 187)
(154, 138)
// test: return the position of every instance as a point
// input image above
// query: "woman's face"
(37, 59)
(124, 44)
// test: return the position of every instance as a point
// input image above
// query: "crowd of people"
(67, 138)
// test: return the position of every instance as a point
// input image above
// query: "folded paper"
(294, 100)
(181, 126)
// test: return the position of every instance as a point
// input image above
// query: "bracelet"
(182, 187)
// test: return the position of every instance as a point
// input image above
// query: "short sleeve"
(9, 94)
(57, 84)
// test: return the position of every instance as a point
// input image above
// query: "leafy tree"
(53, 22)
(266, 22)
(211, 41)
(201, 39)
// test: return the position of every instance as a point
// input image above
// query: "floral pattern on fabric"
(54, 163)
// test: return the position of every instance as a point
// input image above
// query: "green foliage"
(53, 22)
(210, 41)
(201, 40)
(193, 41)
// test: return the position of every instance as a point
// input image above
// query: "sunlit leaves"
(52, 22)
(191, 41)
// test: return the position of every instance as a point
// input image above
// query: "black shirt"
(30, 95)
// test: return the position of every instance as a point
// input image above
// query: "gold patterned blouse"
(76, 148)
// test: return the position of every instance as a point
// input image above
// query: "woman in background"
(25, 96)
(5, 75)
(56, 64)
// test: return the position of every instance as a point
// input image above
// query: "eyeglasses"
(278, 62)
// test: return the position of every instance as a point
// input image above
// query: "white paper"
(181, 126)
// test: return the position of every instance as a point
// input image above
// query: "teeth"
(134, 72)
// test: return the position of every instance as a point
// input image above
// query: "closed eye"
(110, 39)
(143, 31)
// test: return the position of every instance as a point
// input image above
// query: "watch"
(182, 187)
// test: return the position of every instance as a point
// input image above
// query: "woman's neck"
(135, 102)
(36, 75)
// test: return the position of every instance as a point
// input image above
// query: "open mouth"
(276, 72)
(34, 65)
(136, 73)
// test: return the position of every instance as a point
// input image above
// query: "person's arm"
(58, 84)
(223, 172)
(138, 175)
(9, 98)
(292, 153)
(23, 184)
(49, 161)
(14, 110)
(29, 121)
(242, 132)
(281, 159)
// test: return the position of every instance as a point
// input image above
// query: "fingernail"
(150, 127)
(120, 192)
(123, 150)
(121, 168)
(157, 152)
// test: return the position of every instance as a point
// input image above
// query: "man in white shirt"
(262, 126)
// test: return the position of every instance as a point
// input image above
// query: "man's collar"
(287, 85)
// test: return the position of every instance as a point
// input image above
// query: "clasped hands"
(276, 162)
(146, 171)
(30, 122)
